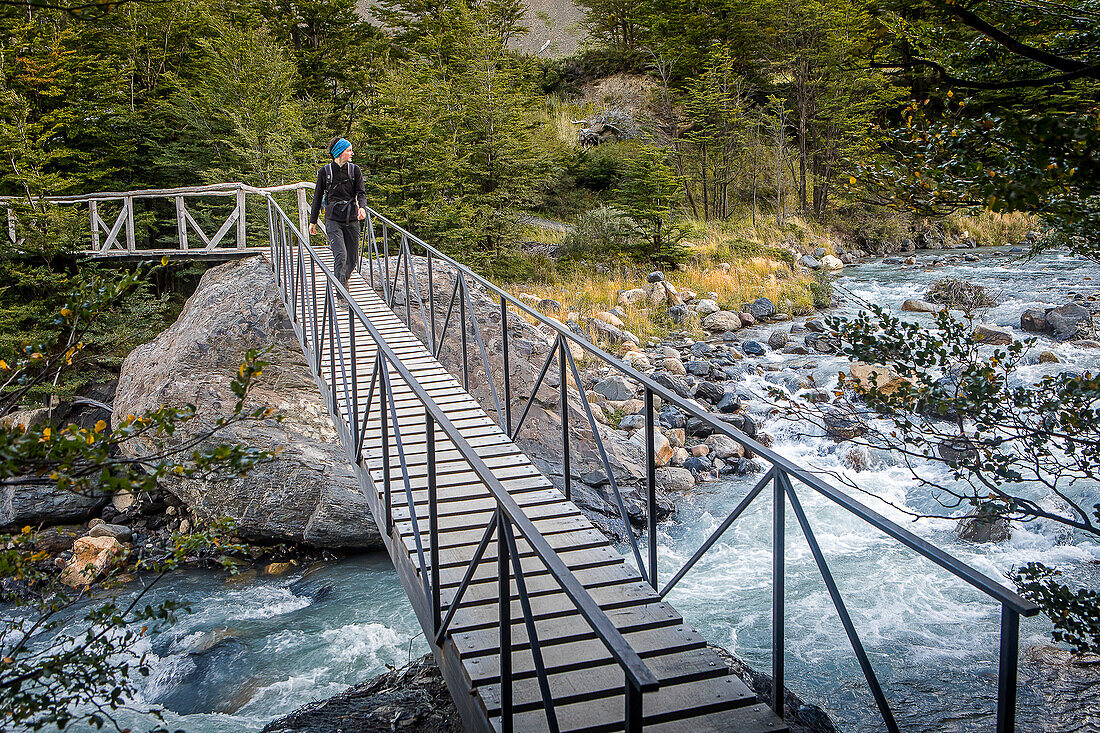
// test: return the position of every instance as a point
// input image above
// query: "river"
(253, 649)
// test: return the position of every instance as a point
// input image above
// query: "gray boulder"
(308, 492)
(1070, 321)
(778, 339)
(673, 479)
(615, 388)
(761, 308)
(41, 502)
(1034, 321)
(809, 262)
(721, 321)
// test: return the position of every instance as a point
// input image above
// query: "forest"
(680, 136)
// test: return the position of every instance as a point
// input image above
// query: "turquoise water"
(253, 649)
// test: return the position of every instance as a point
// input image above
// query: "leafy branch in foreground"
(939, 398)
(50, 676)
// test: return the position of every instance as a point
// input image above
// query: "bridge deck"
(697, 692)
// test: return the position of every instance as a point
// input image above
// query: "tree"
(1002, 114)
(648, 194)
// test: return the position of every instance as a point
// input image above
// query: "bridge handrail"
(950, 563)
(633, 665)
(212, 189)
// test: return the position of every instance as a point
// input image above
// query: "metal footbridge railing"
(536, 622)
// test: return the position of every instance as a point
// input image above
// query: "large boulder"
(1070, 321)
(885, 378)
(721, 321)
(307, 493)
(413, 699)
(1034, 320)
(993, 336)
(41, 502)
(91, 556)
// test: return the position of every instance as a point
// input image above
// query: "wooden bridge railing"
(114, 235)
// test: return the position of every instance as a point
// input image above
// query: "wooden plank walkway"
(697, 693)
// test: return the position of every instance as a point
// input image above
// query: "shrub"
(605, 234)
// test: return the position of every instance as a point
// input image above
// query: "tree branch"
(972, 20)
(1090, 72)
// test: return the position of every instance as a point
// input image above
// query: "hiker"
(339, 187)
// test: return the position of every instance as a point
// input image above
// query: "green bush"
(605, 234)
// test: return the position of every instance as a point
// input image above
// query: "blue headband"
(339, 147)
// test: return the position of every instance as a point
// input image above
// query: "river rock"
(632, 422)
(710, 392)
(886, 379)
(118, 531)
(982, 527)
(655, 277)
(993, 336)
(675, 384)
(41, 502)
(616, 388)
(1066, 684)
(638, 360)
(721, 321)
(307, 493)
(724, 446)
(671, 478)
(753, 348)
(706, 306)
(1034, 321)
(778, 339)
(761, 308)
(1069, 321)
(830, 262)
(915, 305)
(673, 366)
(91, 556)
(810, 262)
(842, 424)
(609, 317)
(1048, 357)
(662, 447)
(631, 298)
(679, 456)
(730, 402)
(413, 699)
(605, 330)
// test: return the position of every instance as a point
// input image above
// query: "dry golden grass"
(583, 293)
(991, 228)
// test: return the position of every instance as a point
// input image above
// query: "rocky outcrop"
(41, 502)
(413, 699)
(307, 493)
(1068, 686)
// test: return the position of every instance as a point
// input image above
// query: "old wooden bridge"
(536, 621)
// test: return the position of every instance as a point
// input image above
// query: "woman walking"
(342, 195)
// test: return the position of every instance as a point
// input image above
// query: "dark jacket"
(340, 186)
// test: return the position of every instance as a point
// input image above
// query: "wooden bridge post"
(93, 216)
(181, 222)
(131, 242)
(303, 213)
(241, 244)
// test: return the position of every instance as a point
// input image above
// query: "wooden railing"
(114, 235)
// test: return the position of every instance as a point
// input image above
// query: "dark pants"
(343, 237)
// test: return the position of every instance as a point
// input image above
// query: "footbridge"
(536, 621)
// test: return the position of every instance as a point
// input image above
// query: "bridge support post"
(241, 229)
(131, 240)
(505, 622)
(779, 525)
(303, 212)
(1006, 682)
(93, 215)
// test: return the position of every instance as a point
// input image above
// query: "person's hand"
(313, 229)
(362, 214)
